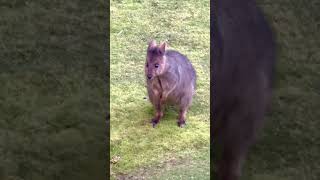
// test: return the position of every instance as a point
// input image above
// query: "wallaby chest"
(165, 86)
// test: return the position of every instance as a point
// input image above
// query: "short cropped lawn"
(137, 149)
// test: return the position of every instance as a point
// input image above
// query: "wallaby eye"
(156, 65)
(147, 65)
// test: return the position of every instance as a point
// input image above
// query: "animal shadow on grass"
(170, 116)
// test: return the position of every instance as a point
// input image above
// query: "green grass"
(193, 165)
(185, 26)
(289, 147)
(52, 103)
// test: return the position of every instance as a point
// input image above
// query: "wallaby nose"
(149, 76)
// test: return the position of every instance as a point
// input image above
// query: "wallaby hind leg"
(158, 115)
(184, 105)
(182, 117)
(238, 134)
(230, 164)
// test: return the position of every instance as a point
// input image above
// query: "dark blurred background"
(53, 89)
(289, 147)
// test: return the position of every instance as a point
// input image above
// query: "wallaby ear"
(152, 44)
(162, 47)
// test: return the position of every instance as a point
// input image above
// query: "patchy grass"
(52, 104)
(190, 165)
(289, 147)
(134, 143)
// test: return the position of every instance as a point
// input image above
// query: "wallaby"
(171, 79)
(243, 63)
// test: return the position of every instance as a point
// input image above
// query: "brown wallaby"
(243, 62)
(171, 79)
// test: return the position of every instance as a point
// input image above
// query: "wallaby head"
(156, 61)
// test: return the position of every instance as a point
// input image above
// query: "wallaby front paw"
(154, 122)
(181, 123)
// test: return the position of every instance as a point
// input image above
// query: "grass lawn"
(136, 148)
(289, 147)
